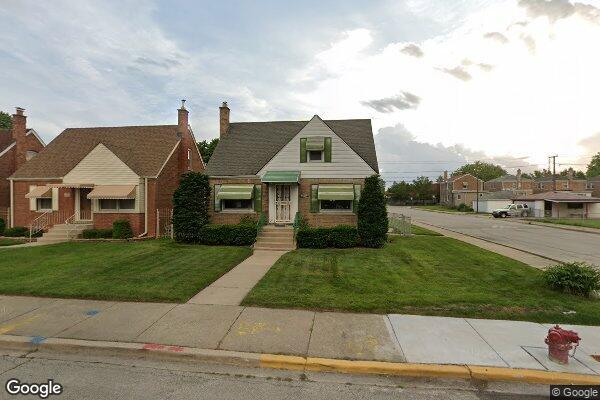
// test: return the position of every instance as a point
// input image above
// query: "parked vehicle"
(511, 210)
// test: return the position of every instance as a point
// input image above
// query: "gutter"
(145, 208)
(12, 204)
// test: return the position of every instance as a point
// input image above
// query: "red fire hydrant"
(560, 341)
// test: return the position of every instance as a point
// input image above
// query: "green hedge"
(373, 221)
(97, 234)
(190, 206)
(341, 237)
(227, 235)
(122, 229)
(2, 226)
(575, 277)
(20, 231)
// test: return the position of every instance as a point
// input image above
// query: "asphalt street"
(114, 378)
(558, 244)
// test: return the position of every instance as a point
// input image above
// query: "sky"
(444, 82)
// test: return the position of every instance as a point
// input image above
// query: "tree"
(399, 191)
(372, 213)
(5, 120)
(190, 206)
(207, 148)
(593, 168)
(422, 188)
(482, 170)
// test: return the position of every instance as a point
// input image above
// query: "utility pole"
(553, 171)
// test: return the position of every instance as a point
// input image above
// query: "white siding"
(102, 167)
(345, 163)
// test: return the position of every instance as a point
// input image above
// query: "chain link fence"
(164, 223)
(400, 224)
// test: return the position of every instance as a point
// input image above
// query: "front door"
(85, 205)
(283, 204)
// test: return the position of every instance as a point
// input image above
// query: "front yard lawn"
(418, 275)
(153, 270)
(10, 242)
(417, 230)
(588, 223)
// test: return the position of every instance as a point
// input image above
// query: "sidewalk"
(390, 338)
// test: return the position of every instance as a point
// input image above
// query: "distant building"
(460, 189)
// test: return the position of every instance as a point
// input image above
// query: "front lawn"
(418, 275)
(417, 230)
(153, 270)
(10, 242)
(588, 223)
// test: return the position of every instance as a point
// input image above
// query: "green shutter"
(314, 201)
(217, 201)
(357, 189)
(258, 198)
(303, 150)
(327, 149)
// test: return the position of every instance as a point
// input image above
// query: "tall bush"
(372, 213)
(574, 277)
(190, 207)
(122, 229)
(2, 226)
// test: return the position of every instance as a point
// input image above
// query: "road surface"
(114, 378)
(558, 244)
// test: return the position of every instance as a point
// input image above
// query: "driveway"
(558, 244)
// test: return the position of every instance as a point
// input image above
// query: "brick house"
(17, 145)
(460, 189)
(315, 168)
(97, 175)
(514, 183)
(566, 184)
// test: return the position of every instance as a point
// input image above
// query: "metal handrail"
(38, 224)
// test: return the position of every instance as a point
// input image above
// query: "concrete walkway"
(373, 337)
(231, 288)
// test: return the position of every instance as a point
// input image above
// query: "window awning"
(112, 192)
(235, 192)
(315, 143)
(281, 177)
(71, 185)
(40, 192)
(336, 192)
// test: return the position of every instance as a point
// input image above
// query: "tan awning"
(40, 192)
(112, 192)
(71, 185)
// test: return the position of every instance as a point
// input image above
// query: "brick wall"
(7, 162)
(324, 219)
(22, 215)
(234, 218)
(105, 221)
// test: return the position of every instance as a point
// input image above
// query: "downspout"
(12, 204)
(145, 208)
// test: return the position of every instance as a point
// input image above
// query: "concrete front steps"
(275, 238)
(64, 233)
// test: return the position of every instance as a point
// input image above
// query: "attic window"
(315, 156)
(465, 185)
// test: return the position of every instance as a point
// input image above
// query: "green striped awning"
(281, 177)
(315, 143)
(336, 192)
(235, 192)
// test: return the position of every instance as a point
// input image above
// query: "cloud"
(497, 36)
(413, 50)
(591, 144)
(485, 67)
(402, 101)
(529, 42)
(458, 72)
(555, 10)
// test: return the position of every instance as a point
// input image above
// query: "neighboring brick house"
(17, 145)
(563, 184)
(98, 175)
(593, 185)
(460, 189)
(315, 168)
(515, 183)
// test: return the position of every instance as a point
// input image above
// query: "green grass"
(10, 242)
(417, 230)
(154, 270)
(588, 223)
(418, 275)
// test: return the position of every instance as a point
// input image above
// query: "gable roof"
(249, 146)
(143, 148)
(455, 178)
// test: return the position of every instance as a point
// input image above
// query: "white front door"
(283, 202)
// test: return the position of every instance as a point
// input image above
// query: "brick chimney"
(519, 179)
(570, 174)
(19, 131)
(182, 118)
(187, 145)
(445, 175)
(223, 119)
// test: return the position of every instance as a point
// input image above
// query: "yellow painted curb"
(532, 376)
(282, 362)
(387, 368)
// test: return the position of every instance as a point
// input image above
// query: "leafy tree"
(207, 148)
(372, 213)
(400, 191)
(422, 188)
(593, 168)
(5, 120)
(190, 206)
(482, 170)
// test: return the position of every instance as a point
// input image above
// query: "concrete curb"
(296, 363)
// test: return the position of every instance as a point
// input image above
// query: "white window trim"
(326, 211)
(315, 161)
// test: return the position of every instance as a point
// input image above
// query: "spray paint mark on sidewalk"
(37, 339)
(91, 313)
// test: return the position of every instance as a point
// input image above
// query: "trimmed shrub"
(575, 278)
(2, 226)
(122, 229)
(17, 231)
(372, 213)
(228, 235)
(248, 220)
(464, 208)
(190, 207)
(97, 234)
(341, 237)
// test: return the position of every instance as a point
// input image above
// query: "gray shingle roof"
(499, 195)
(248, 146)
(143, 148)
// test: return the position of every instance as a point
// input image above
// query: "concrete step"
(274, 246)
(72, 227)
(275, 239)
(50, 241)
(271, 228)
